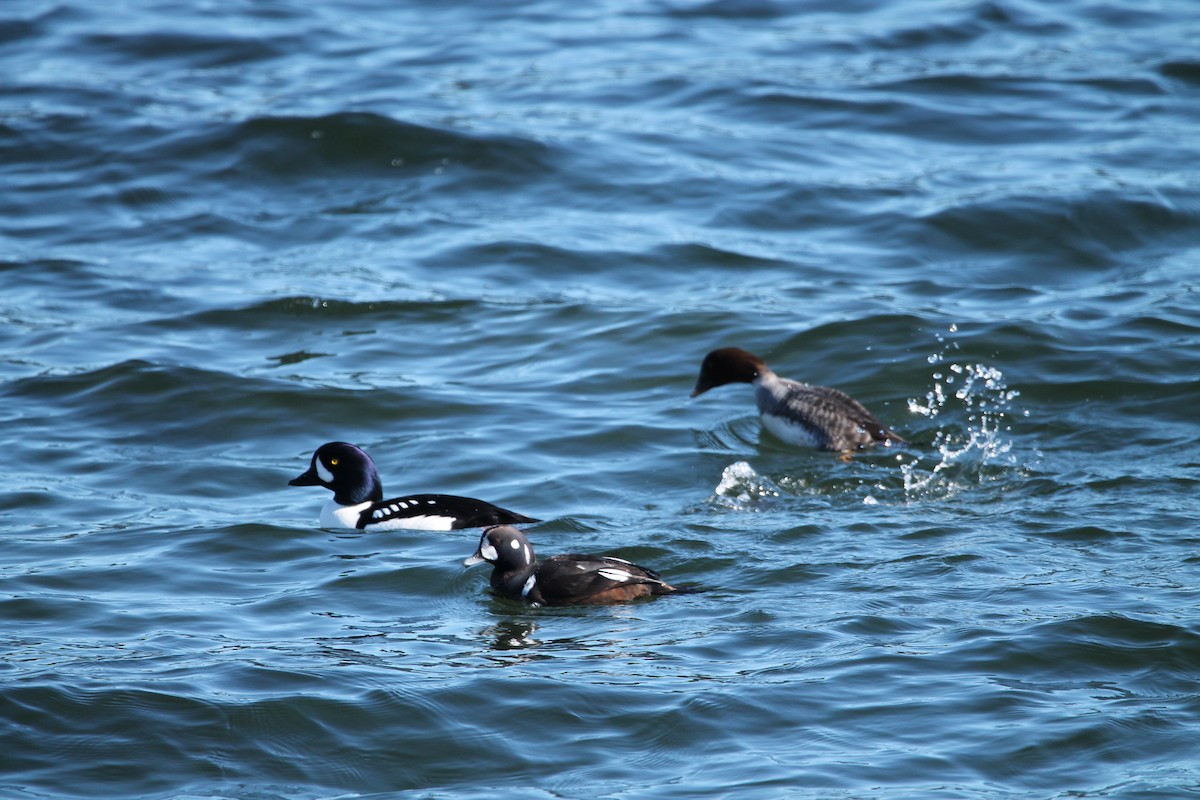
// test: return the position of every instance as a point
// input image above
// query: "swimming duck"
(358, 498)
(564, 580)
(798, 413)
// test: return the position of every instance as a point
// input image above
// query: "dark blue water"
(491, 243)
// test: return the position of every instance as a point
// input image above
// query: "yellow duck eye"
(333, 462)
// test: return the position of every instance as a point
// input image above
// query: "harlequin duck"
(358, 498)
(566, 580)
(798, 413)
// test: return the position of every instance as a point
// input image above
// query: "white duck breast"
(789, 430)
(335, 515)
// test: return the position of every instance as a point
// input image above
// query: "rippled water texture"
(491, 243)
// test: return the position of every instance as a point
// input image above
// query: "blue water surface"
(491, 243)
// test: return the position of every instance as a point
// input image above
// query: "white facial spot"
(323, 473)
(488, 552)
(514, 544)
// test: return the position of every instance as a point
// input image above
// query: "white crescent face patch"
(323, 473)
(488, 552)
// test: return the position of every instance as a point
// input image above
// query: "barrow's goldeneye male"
(358, 498)
(798, 413)
(566, 580)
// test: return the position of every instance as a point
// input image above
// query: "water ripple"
(491, 243)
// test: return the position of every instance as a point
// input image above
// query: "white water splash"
(979, 452)
(741, 484)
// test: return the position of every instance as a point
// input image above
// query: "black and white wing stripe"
(438, 512)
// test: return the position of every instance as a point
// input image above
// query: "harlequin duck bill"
(566, 580)
(358, 498)
(798, 413)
